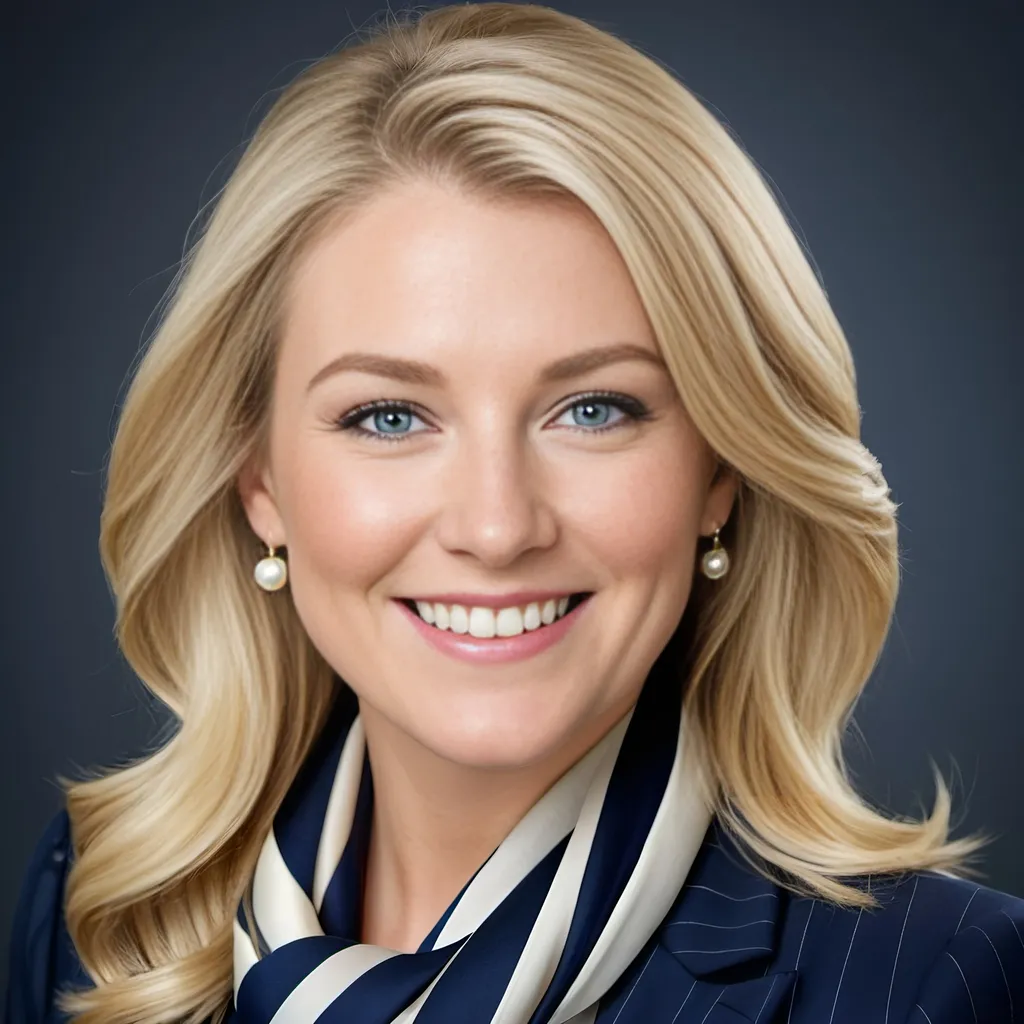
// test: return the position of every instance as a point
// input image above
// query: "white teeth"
(460, 619)
(509, 622)
(481, 622)
(490, 622)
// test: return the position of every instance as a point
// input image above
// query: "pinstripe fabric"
(733, 948)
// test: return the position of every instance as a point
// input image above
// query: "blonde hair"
(502, 100)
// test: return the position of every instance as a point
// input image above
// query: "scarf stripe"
(609, 834)
(384, 990)
(339, 813)
(537, 936)
(308, 979)
(670, 847)
(299, 822)
(479, 969)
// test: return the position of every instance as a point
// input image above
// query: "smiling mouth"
(485, 623)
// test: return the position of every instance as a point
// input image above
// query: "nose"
(495, 502)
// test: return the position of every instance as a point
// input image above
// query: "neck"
(435, 822)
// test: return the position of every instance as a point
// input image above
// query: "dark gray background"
(892, 132)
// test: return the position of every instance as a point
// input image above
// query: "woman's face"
(470, 412)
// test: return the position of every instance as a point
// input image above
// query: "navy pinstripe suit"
(734, 949)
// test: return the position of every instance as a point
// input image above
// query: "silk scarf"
(537, 936)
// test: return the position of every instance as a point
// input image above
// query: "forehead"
(432, 273)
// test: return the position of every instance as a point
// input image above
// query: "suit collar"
(726, 915)
(711, 960)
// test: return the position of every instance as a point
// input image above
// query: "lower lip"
(494, 649)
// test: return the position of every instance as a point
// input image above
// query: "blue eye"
(591, 414)
(391, 421)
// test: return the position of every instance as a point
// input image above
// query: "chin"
(499, 738)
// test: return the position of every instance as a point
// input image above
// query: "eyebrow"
(412, 371)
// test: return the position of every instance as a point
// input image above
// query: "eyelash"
(634, 410)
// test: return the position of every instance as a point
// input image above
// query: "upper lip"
(515, 599)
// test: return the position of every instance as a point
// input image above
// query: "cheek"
(348, 525)
(643, 517)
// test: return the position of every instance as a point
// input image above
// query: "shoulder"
(978, 973)
(936, 950)
(42, 958)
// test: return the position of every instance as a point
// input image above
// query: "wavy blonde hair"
(502, 100)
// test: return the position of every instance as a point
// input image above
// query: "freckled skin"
(496, 487)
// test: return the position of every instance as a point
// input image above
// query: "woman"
(490, 510)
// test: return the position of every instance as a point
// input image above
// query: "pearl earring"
(715, 563)
(271, 572)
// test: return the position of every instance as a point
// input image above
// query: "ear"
(720, 499)
(256, 489)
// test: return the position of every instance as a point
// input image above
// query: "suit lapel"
(726, 917)
(711, 960)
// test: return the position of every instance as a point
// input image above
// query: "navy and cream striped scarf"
(537, 936)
